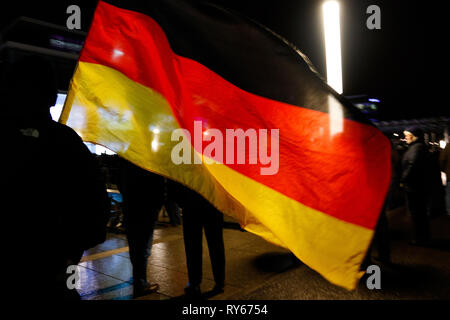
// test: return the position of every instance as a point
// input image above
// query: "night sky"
(404, 64)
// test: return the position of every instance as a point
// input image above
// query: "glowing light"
(331, 25)
(77, 119)
(374, 100)
(396, 134)
(117, 53)
(98, 149)
(442, 144)
(101, 150)
(336, 114)
(56, 110)
(154, 129)
(155, 145)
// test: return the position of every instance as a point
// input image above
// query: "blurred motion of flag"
(150, 67)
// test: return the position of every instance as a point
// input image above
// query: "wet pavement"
(258, 270)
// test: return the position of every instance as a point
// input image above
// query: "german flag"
(269, 143)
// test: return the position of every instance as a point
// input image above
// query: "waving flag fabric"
(315, 180)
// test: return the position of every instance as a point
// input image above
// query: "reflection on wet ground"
(258, 270)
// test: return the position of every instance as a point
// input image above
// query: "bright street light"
(332, 32)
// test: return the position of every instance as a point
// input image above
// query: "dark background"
(404, 64)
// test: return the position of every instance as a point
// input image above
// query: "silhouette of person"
(414, 180)
(59, 201)
(143, 196)
(199, 214)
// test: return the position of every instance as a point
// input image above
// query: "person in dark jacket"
(59, 204)
(199, 214)
(143, 196)
(414, 180)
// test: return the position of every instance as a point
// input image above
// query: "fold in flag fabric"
(268, 142)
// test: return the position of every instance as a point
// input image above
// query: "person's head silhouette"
(413, 134)
(31, 87)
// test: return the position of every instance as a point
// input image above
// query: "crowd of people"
(422, 184)
(61, 207)
(136, 186)
(415, 181)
